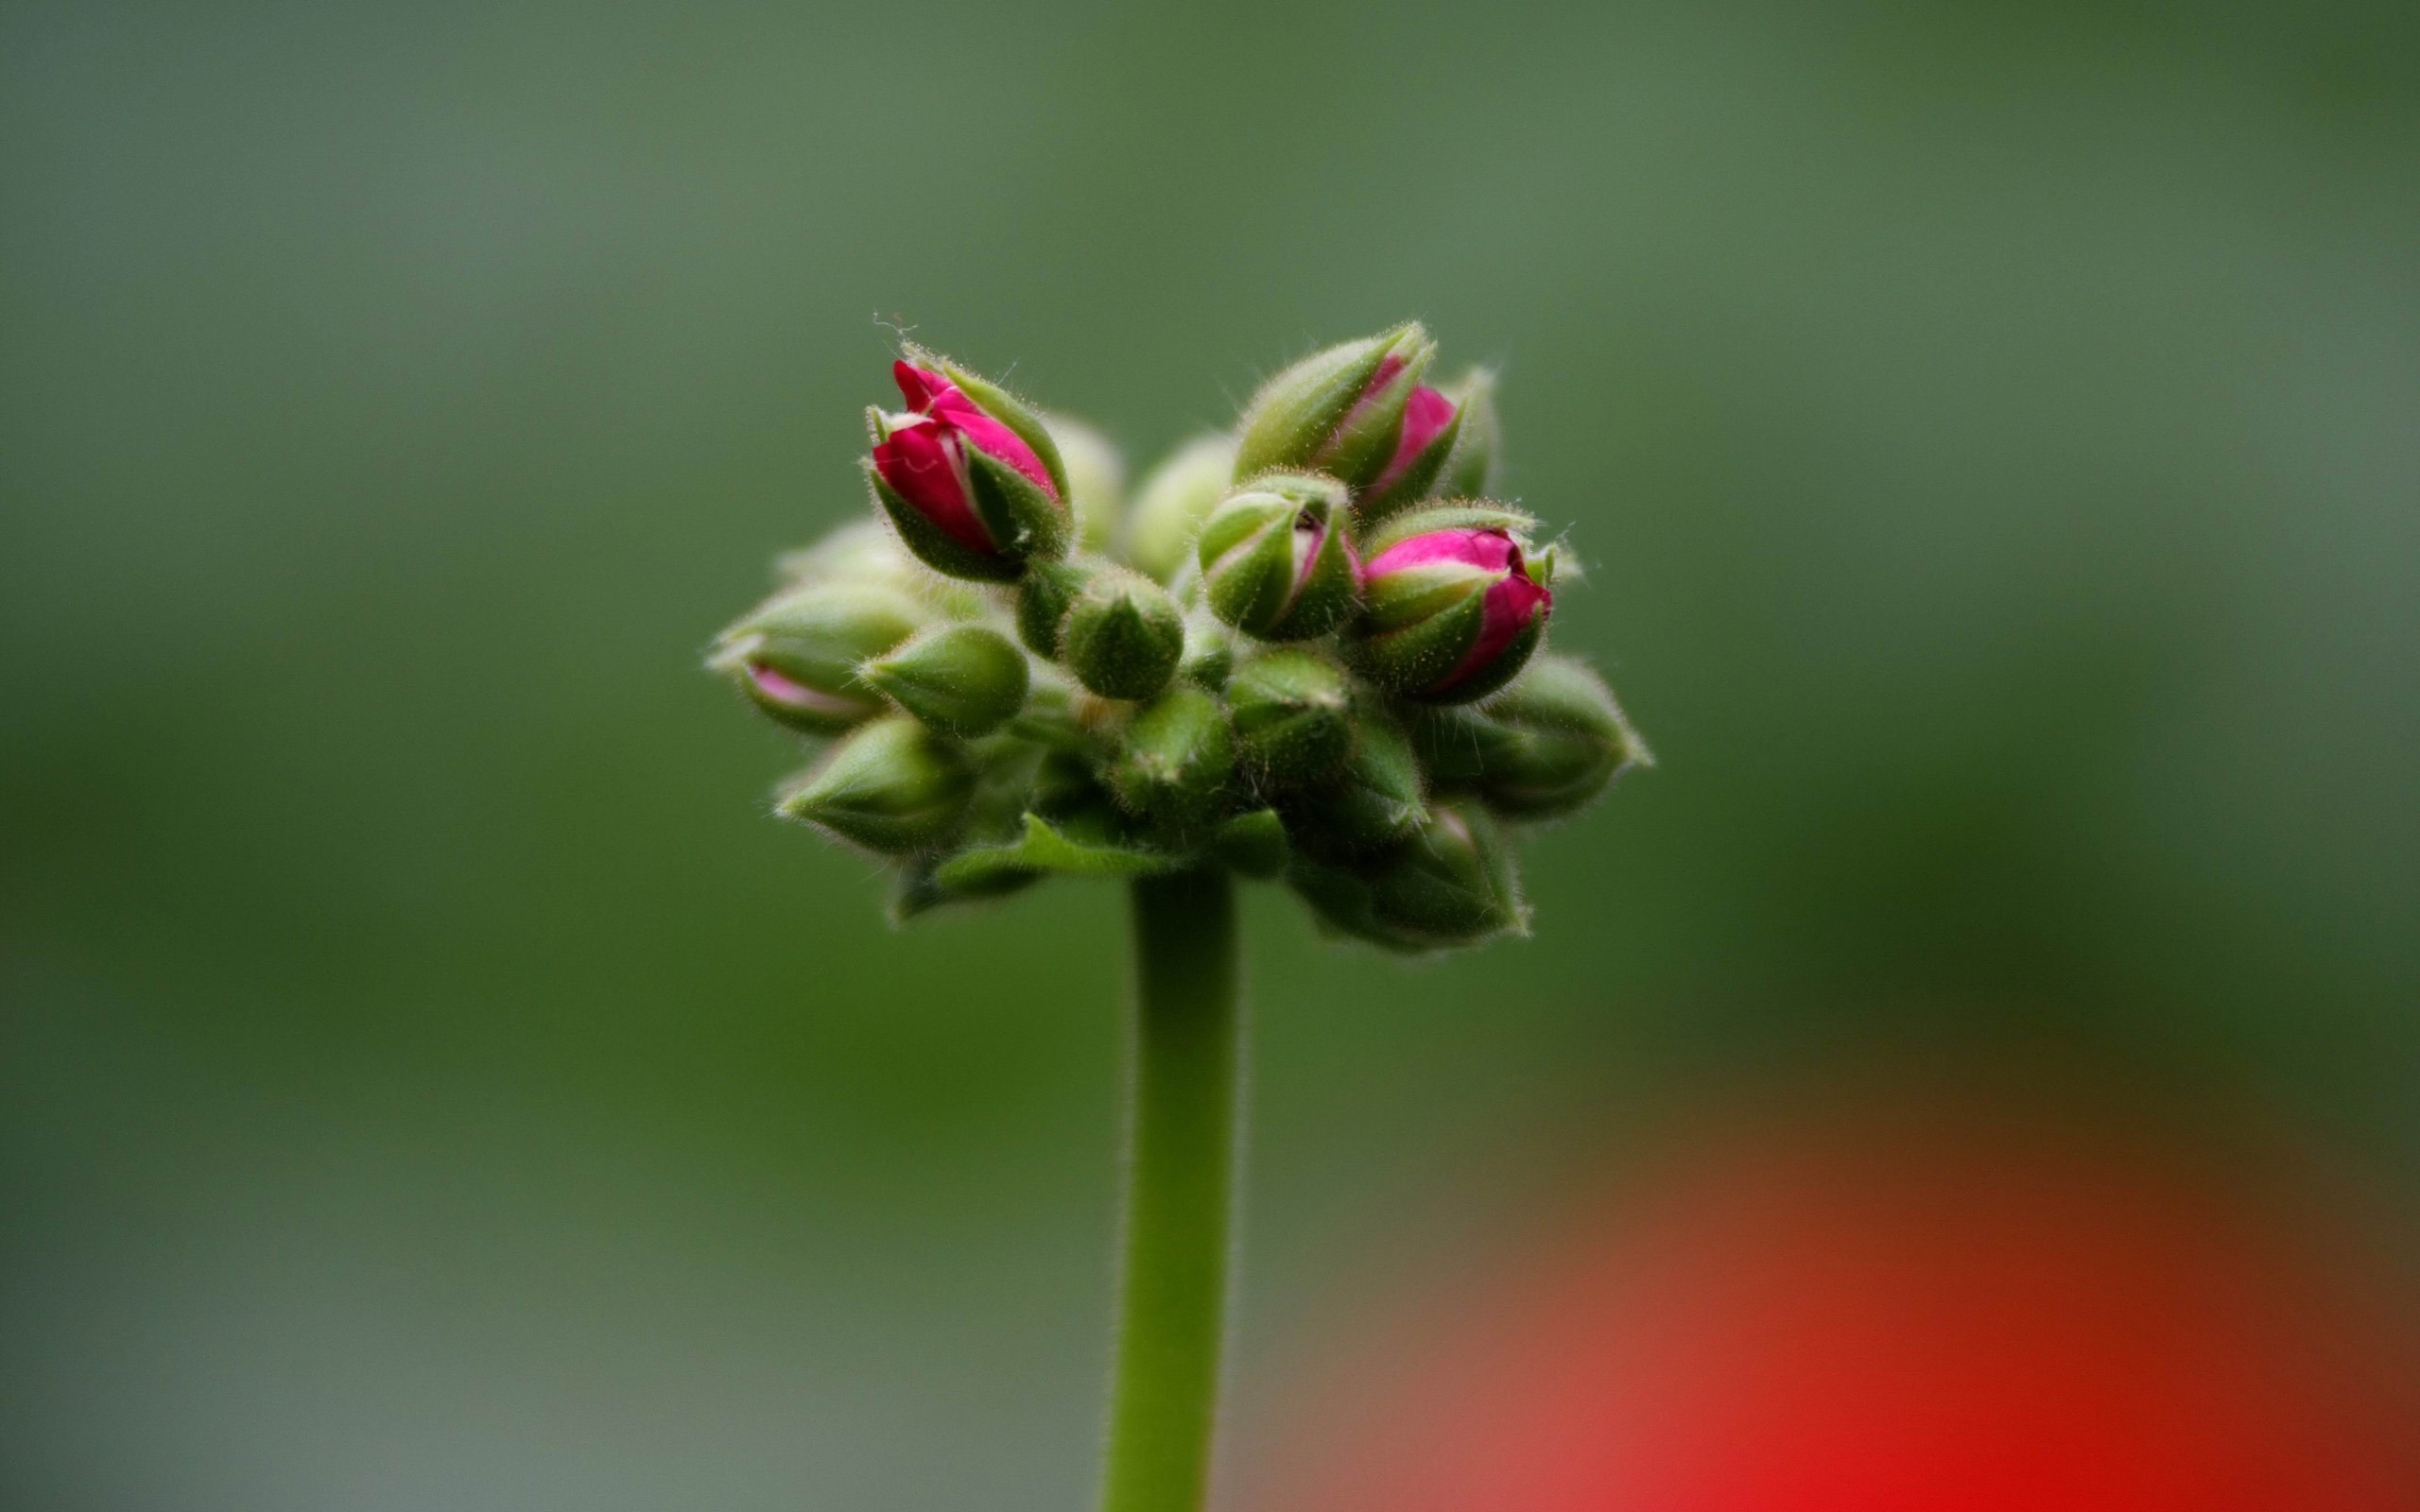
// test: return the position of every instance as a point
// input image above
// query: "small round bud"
(1177, 759)
(1292, 711)
(797, 657)
(1338, 411)
(1123, 635)
(1096, 479)
(1275, 561)
(968, 474)
(1209, 651)
(893, 787)
(1563, 740)
(1173, 500)
(1044, 594)
(1453, 604)
(961, 679)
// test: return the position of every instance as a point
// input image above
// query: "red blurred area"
(1872, 1314)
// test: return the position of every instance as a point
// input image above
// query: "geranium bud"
(1177, 759)
(1470, 470)
(1432, 421)
(1050, 718)
(1123, 635)
(1275, 559)
(1096, 479)
(1292, 711)
(1044, 594)
(1543, 748)
(893, 787)
(1378, 797)
(961, 679)
(968, 474)
(1451, 884)
(1252, 843)
(797, 658)
(1209, 651)
(1340, 411)
(1454, 604)
(1173, 500)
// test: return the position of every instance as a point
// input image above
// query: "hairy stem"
(1180, 1181)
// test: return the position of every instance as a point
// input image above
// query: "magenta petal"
(921, 464)
(933, 395)
(1424, 418)
(1514, 603)
(920, 387)
(1490, 550)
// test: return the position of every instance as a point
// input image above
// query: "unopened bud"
(961, 679)
(1430, 424)
(1563, 741)
(968, 473)
(1453, 604)
(1338, 411)
(893, 787)
(1177, 759)
(1096, 479)
(1253, 843)
(1174, 500)
(1123, 635)
(1045, 594)
(797, 657)
(1376, 800)
(1451, 884)
(1209, 651)
(1292, 711)
(1275, 561)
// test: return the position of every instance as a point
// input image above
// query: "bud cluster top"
(1311, 648)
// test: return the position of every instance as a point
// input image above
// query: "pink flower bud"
(1452, 612)
(923, 461)
(1425, 415)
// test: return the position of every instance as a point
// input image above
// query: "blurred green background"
(431, 1081)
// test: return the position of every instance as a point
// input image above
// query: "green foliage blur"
(428, 1076)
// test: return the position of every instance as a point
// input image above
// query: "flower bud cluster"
(1313, 648)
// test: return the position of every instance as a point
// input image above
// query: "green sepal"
(1254, 575)
(1026, 521)
(1253, 844)
(1431, 632)
(1475, 514)
(1470, 470)
(935, 547)
(1305, 416)
(1545, 748)
(892, 786)
(1377, 800)
(919, 891)
(1291, 713)
(1450, 886)
(1416, 482)
(1123, 635)
(961, 679)
(1503, 668)
(1073, 850)
(1177, 760)
(1209, 657)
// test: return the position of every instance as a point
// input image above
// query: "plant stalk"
(1182, 1154)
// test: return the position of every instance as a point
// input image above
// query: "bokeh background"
(430, 1079)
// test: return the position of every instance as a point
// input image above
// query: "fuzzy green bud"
(1177, 759)
(1123, 635)
(1173, 500)
(1454, 601)
(1558, 740)
(1275, 559)
(1338, 411)
(1044, 594)
(1209, 651)
(797, 657)
(1253, 843)
(893, 787)
(1451, 884)
(961, 679)
(1292, 711)
(1376, 800)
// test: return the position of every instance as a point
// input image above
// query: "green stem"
(1180, 1183)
